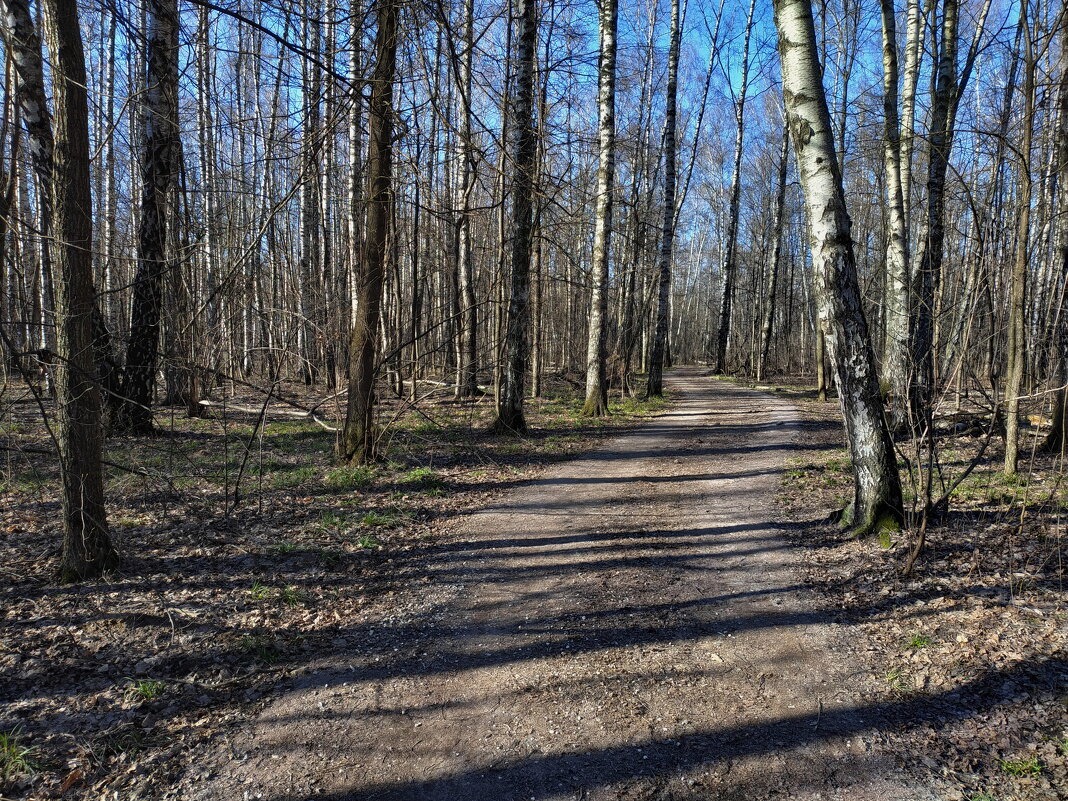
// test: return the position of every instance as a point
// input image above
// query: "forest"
(302, 299)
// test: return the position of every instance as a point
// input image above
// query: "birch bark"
(877, 488)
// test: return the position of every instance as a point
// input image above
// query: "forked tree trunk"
(358, 438)
(927, 258)
(158, 161)
(877, 485)
(929, 267)
(597, 351)
(510, 416)
(656, 357)
(61, 159)
(776, 255)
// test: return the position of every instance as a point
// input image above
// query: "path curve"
(629, 626)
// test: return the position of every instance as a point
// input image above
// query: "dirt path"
(626, 627)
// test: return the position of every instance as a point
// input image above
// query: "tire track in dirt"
(628, 626)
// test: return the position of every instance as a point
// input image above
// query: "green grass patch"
(368, 542)
(349, 477)
(897, 680)
(290, 597)
(145, 689)
(423, 478)
(261, 647)
(293, 477)
(1021, 767)
(16, 757)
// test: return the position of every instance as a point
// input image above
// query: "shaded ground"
(106, 687)
(979, 632)
(628, 626)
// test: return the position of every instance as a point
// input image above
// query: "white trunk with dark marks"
(596, 350)
(877, 487)
(896, 342)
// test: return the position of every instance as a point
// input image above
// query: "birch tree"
(876, 484)
(896, 341)
(597, 351)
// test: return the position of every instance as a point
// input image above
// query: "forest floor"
(974, 644)
(247, 553)
(492, 617)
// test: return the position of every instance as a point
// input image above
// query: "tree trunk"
(510, 415)
(1057, 439)
(61, 159)
(467, 384)
(656, 358)
(597, 352)
(729, 271)
(158, 161)
(896, 341)
(877, 487)
(1015, 352)
(358, 438)
(776, 255)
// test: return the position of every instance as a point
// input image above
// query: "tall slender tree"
(358, 439)
(776, 253)
(467, 374)
(1057, 439)
(877, 486)
(655, 386)
(596, 348)
(729, 267)
(1015, 351)
(159, 160)
(896, 339)
(60, 151)
(510, 415)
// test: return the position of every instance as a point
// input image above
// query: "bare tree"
(358, 439)
(60, 151)
(597, 350)
(510, 416)
(729, 269)
(667, 232)
(158, 166)
(1057, 440)
(877, 486)
(776, 253)
(1015, 352)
